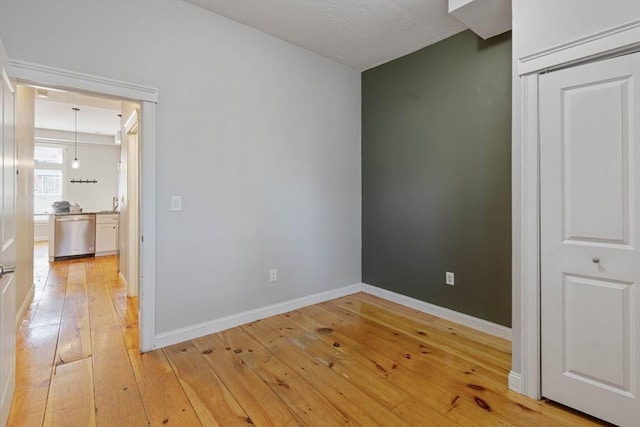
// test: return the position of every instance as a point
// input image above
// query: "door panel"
(590, 264)
(596, 162)
(607, 337)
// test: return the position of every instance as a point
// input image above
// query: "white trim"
(105, 253)
(599, 45)
(7, 80)
(147, 227)
(618, 38)
(65, 79)
(441, 312)
(147, 96)
(25, 305)
(515, 382)
(65, 137)
(133, 208)
(194, 331)
(529, 223)
(131, 125)
(123, 279)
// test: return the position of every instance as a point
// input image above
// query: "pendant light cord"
(75, 133)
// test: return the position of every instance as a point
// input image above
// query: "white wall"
(259, 137)
(96, 162)
(539, 25)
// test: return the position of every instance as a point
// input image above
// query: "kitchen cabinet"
(107, 234)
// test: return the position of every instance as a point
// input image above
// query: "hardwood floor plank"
(212, 402)
(34, 361)
(117, 398)
(423, 376)
(356, 369)
(305, 401)
(102, 313)
(70, 401)
(260, 402)
(450, 374)
(414, 344)
(393, 365)
(449, 327)
(162, 395)
(340, 391)
(129, 325)
(29, 403)
(497, 359)
(51, 301)
(74, 342)
(36, 349)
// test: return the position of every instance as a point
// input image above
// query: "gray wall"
(261, 139)
(436, 175)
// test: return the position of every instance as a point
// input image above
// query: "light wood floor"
(356, 360)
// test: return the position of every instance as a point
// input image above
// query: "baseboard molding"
(199, 330)
(25, 304)
(444, 313)
(105, 253)
(515, 382)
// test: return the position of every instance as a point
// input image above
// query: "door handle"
(596, 260)
(6, 270)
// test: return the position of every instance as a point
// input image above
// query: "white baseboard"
(199, 330)
(25, 305)
(515, 382)
(105, 253)
(444, 313)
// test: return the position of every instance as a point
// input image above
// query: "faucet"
(114, 202)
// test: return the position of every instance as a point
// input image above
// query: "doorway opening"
(29, 74)
(78, 153)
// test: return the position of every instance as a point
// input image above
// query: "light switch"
(176, 203)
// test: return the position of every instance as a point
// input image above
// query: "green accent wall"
(436, 175)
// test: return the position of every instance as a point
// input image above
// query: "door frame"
(26, 72)
(131, 127)
(526, 308)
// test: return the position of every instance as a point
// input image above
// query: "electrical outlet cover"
(450, 278)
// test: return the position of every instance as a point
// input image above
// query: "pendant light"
(75, 164)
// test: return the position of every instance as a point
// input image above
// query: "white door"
(7, 240)
(590, 231)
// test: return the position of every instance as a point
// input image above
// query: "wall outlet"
(273, 275)
(450, 278)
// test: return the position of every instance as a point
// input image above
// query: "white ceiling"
(358, 33)
(96, 115)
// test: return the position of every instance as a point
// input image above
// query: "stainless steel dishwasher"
(75, 235)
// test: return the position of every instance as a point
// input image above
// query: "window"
(47, 179)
